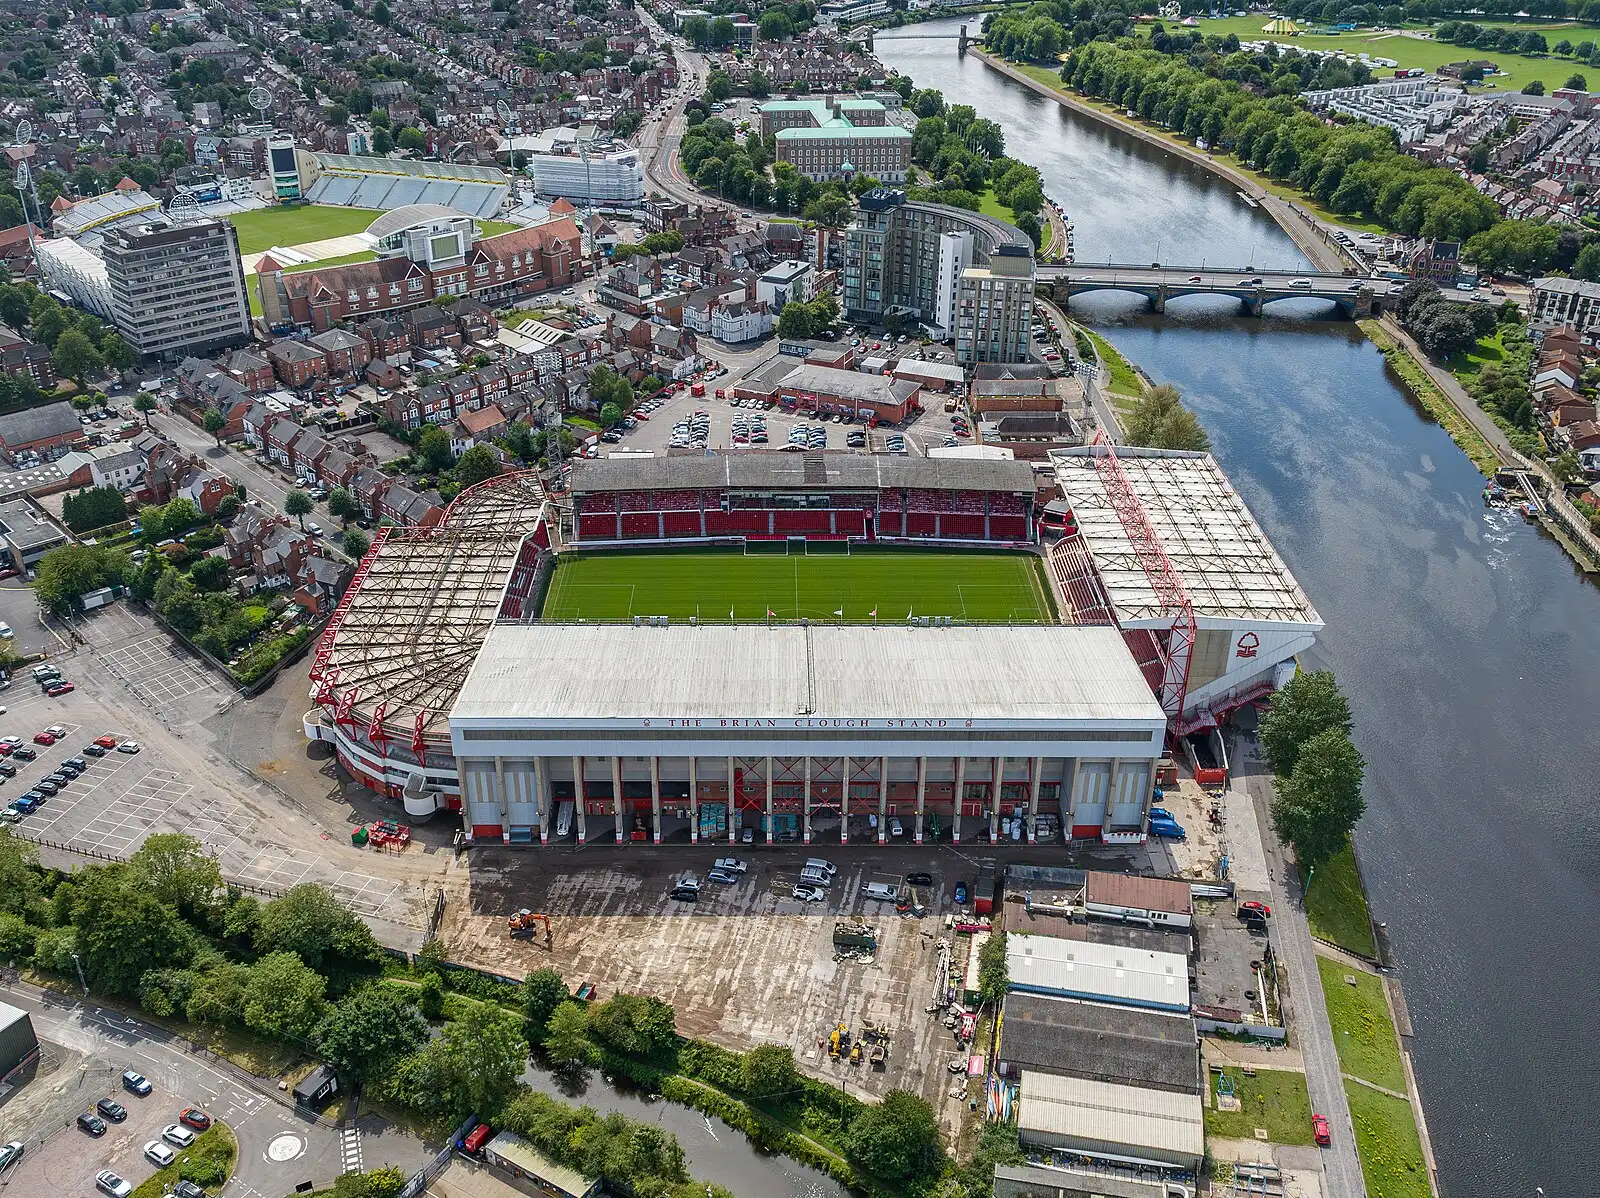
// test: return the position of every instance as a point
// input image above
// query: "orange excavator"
(525, 924)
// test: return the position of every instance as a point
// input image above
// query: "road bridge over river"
(1253, 289)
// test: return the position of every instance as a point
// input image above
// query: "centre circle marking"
(285, 1148)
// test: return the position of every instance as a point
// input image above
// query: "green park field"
(1409, 50)
(979, 587)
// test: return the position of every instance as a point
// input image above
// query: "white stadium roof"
(1227, 565)
(397, 220)
(574, 674)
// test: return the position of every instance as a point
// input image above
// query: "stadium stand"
(766, 495)
(356, 181)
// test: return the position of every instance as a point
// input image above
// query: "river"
(1465, 639)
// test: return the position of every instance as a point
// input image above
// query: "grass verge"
(1362, 1030)
(1121, 377)
(208, 1162)
(1274, 1099)
(1427, 393)
(1337, 906)
(1387, 1143)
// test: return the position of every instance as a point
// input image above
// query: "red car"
(106, 742)
(43, 738)
(1254, 910)
(6, 749)
(194, 1117)
(58, 689)
(1319, 1131)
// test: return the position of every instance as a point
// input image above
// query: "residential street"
(1309, 1024)
(259, 481)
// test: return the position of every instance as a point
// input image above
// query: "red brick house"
(345, 352)
(296, 363)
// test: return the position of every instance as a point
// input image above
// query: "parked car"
(960, 893)
(1254, 910)
(24, 754)
(194, 1117)
(93, 751)
(158, 1154)
(108, 1182)
(178, 1135)
(685, 892)
(747, 836)
(721, 877)
(187, 1189)
(1320, 1131)
(11, 1153)
(919, 878)
(106, 742)
(135, 1083)
(43, 738)
(111, 1109)
(731, 865)
(92, 1123)
(807, 893)
(128, 746)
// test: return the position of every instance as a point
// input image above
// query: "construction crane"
(525, 924)
(1171, 683)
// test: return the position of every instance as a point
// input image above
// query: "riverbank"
(1305, 230)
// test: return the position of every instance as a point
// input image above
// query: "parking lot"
(930, 428)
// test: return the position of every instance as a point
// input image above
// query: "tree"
(769, 1072)
(609, 414)
(475, 1063)
(543, 991)
(19, 873)
(1319, 804)
(284, 997)
(368, 1031)
(433, 449)
(123, 929)
(412, 139)
(896, 1140)
(177, 869)
(210, 573)
(993, 977)
(298, 503)
(94, 507)
(380, 13)
(17, 938)
(309, 921)
(214, 422)
(718, 85)
(634, 1024)
(1160, 421)
(1307, 706)
(1577, 82)
(476, 465)
(75, 356)
(831, 209)
(64, 575)
(794, 322)
(144, 403)
(1534, 88)
(355, 543)
(566, 1036)
(775, 26)
(342, 504)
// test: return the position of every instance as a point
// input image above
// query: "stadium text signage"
(806, 722)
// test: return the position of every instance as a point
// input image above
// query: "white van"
(880, 892)
(817, 863)
(814, 877)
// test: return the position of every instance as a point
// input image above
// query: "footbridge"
(1254, 289)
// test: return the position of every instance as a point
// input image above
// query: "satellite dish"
(184, 209)
(24, 132)
(260, 99)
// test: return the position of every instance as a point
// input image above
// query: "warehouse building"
(19, 1044)
(1109, 973)
(632, 729)
(1117, 1124)
(1099, 1042)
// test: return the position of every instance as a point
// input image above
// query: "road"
(1241, 280)
(89, 1046)
(1341, 1168)
(659, 136)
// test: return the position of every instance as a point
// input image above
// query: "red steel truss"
(1164, 581)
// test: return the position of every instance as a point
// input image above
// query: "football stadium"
(780, 650)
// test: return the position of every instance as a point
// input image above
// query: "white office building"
(955, 255)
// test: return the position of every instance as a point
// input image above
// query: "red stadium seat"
(682, 524)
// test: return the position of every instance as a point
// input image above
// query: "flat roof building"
(521, 1159)
(1103, 1043)
(177, 290)
(1109, 973)
(1114, 1123)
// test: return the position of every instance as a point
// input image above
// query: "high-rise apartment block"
(177, 289)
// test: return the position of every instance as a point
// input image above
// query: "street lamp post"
(82, 981)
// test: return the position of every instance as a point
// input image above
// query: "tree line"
(1355, 170)
(1305, 737)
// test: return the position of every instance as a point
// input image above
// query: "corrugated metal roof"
(1227, 565)
(1145, 894)
(1104, 1043)
(1004, 675)
(774, 471)
(1131, 1118)
(1108, 972)
(525, 1156)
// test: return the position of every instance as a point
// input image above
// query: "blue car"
(1162, 813)
(961, 893)
(1167, 829)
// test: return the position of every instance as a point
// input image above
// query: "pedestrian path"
(350, 1149)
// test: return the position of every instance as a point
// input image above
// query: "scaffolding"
(403, 638)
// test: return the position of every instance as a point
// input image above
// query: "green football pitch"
(976, 587)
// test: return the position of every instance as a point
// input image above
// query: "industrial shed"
(1159, 902)
(1098, 1042)
(1127, 1124)
(1110, 973)
(19, 1045)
